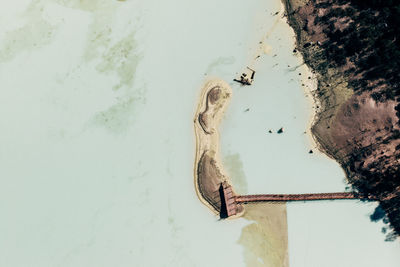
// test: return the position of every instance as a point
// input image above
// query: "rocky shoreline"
(356, 121)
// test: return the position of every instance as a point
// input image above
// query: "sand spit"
(208, 171)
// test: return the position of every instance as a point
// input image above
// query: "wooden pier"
(298, 197)
(231, 202)
(228, 199)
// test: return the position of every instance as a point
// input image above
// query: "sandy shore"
(330, 91)
(208, 170)
(310, 85)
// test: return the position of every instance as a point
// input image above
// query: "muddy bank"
(357, 123)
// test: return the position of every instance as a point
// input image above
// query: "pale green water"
(97, 141)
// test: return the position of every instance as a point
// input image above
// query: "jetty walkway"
(230, 201)
(296, 197)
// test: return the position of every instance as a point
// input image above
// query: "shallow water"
(97, 143)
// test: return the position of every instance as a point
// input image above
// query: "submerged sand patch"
(265, 240)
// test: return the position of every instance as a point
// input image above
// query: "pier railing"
(298, 197)
(230, 202)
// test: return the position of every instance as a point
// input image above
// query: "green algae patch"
(118, 117)
(234, 168)
(35, 33)
(218, 62)
(123, 59)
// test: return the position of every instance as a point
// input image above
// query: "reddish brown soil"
(209, 180)
(355, 124)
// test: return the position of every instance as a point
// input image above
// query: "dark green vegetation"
(371, 42)
(358, 41)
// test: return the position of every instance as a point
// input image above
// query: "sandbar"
(208, 171)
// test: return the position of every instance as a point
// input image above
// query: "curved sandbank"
(208, 172)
